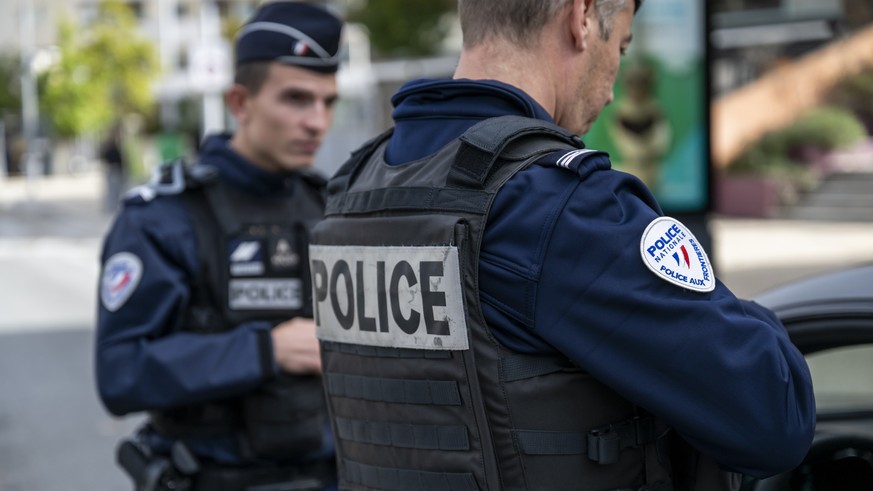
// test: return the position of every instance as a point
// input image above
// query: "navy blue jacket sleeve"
(721, 371)
(140, 365)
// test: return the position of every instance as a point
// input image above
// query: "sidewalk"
(753, 255)
(750, 255)
(54, 206)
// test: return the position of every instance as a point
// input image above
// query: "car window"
(842, 378)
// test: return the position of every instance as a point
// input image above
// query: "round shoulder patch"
(672, 252)
(121, 275)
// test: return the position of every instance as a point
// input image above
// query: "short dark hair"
(519, 21)
(252, 75)
(515, 20)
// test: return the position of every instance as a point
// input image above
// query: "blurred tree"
(404, 27)
(10, 92)
(230, 25)
(105, 72)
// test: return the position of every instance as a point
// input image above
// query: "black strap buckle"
(606, 442)
(603, 445)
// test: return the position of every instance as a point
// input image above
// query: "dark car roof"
(847, 291)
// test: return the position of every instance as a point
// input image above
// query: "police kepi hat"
(293, 33)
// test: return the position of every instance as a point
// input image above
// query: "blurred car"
(830, 319)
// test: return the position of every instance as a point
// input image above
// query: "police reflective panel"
(398, 297)
(265, 294)
(672, 252)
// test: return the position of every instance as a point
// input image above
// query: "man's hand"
(295, 346)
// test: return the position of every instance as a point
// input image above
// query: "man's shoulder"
(171, 179)
(580, 176)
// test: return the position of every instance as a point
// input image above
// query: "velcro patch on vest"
(672, 252)
(246, 257)
(397, 297)
(265, 294)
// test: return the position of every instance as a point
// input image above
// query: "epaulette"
(172, 178)
(582, 161)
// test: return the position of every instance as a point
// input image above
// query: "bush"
(785, 155)
(855, 93)
(825, 129)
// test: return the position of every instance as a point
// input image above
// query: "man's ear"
(581, 19)
(237, 99)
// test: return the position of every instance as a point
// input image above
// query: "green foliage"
(764, 157)
(858, 88)
(825, 129)
(821, 130)
(404, 27)
(855, 93)
(10, 92)
(105, 72)
(783, 154)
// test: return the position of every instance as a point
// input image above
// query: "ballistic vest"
(420, 393)
(253, 253)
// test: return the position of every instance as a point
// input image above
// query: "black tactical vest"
(253, 254)
(420, 394)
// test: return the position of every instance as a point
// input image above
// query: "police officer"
(205, 313)
(500, 310)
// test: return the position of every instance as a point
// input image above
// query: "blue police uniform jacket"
(142, 363)
(560, 272)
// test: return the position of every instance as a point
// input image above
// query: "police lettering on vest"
(400, 297)
(265, 294)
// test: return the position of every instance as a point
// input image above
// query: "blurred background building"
(749, 36)
(190, 44)
(774, 93)
(792, 108)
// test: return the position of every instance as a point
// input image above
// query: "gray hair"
(519, 21)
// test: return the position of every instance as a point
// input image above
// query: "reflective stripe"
(390, 479)
(401, 391)
(424, 437)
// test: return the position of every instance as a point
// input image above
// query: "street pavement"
(55, 435)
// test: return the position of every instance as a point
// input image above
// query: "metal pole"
(213, 104)
(29, 101)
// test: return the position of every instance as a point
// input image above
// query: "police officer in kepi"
(498, 309)
(205, 317)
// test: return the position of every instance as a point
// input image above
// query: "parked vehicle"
(830, 319)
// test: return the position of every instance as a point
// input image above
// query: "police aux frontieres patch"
(672, 252)
(397, 297)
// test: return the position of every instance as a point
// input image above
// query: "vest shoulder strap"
(343, 177)
(202, 313)
(508, 138)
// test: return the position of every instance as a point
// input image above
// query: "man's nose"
(318, 118)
